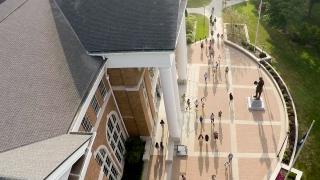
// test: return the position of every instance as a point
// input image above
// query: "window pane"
(112, 144)
(95, 105)
(86, 124)
(120, 147)
(105, 170)
(108, 161)
(115, 137)
(109, 135)
(114, 172)
(110, 126)
(110, 177)
(118, 156)
(114, 118)
(122, 138)
(98, 159)
(102, 152)
(102, 89)
(118, 127)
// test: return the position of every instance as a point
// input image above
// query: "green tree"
(311, 4)
(286, 15)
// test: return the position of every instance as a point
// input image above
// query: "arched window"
(103, 159)
(115, 135)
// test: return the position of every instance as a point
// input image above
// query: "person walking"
(203, 105)
(188, 104)
(212, 118)
(156, 145)
(230, 96)
(227, 70)
(213, 177)
(227, 163)
(161, 146)
(196, 103)
(206, 137)
(205, 77)
(218, 35)
(215, 135)
(162, 123)
(203, 102)
(183, 97)
(201, 119)
(217, 65)
(230, 156)
(211, 53)
(200, 138)
(183, 177)
(201, 46)
(220, 114)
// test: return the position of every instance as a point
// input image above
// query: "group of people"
(213, 177)
(160, 146)
(215, 66)
(196, 103)
(207, 137)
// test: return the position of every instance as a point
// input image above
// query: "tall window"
(102, 89)
(115, 136)
(86, 124)
(95, 105)
(104, 161)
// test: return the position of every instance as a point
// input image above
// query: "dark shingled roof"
(44, 73)
(124, 25)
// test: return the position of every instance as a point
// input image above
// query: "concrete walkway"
(252, 137)
(218, 7)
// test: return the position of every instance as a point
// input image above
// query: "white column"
(170, 102)
(181, 52)
(176, 93)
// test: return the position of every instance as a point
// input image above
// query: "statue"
(259, 88)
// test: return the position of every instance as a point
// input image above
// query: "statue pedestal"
(255, 105)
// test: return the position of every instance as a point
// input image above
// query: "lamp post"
(204, 16)
(299, 147)
(255, 40)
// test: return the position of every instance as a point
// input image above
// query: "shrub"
(250, 47)
(244, 43)
(133, 162)
(262, 55)
(286, 158)
(189, 38)
(189, 25)
(135, 150)
(291, 176)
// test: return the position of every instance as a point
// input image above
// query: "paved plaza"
(253, 137)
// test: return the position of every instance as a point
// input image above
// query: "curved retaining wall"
(282, 89)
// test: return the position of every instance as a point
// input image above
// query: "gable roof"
(125, 25)
(44, 73)
(38, 160)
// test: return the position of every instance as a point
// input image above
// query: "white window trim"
(112, 164)
(118, 121)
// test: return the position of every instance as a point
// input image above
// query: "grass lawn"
(299, 66)
(197, 3)
(202, 29)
